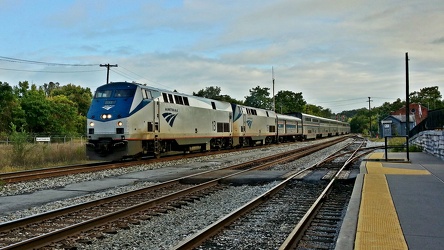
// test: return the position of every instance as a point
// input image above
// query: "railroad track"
(266, 221)
(119, 211)
(14, 177)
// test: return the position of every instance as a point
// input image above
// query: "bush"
(20, 146)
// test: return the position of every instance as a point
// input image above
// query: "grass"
(42, 155)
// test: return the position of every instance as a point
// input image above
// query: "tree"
(259, 98)
(6, 99)
(81, 97)
(318, 111)
(209, 92)
(37, 110)
(49, 87)
(214, 93)
(429, 96)
(63, 116)
(288, 102)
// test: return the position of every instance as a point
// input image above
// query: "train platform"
(396, 204)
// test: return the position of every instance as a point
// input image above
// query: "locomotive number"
(214, 125)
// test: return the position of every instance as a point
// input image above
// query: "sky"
(336, 53)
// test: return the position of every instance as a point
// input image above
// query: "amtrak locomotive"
(132, 120)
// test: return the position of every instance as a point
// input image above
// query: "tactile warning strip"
(378, 223)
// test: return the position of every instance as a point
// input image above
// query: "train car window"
(220, 127)
(170, 96)
(227, 127)
(103, 93)
(213, 105)
(124, 93)
(165, 97)
(148, 94)
(185, 101)
(272, 129)
(179, 99)
(307, 119)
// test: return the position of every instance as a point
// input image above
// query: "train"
(132, 120)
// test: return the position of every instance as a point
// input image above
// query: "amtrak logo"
(249, 123)
(108, 107)
(169, 117)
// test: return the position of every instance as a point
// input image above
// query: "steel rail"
(198, 238)
(43, 240)
(34, 174)
(300, 228)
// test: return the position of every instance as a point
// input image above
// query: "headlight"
(106, 116)
(119, 123)
(91, 124)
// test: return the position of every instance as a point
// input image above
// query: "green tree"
(6, 100)
(214, 93)
(37, 110)
(429, 96)
(259, 98)
(63, 116)
(81, 97)
(48, 88)
(209, 92)
(318, 111)
(288, 102)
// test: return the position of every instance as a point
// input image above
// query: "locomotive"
(130, 120)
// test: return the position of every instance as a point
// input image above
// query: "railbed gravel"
(175, 225)
(166, 231)
(57, 182)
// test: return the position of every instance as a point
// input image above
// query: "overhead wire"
(49, 71)
(16, 60)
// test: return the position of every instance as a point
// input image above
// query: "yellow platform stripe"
(377, 168)
(378, 223)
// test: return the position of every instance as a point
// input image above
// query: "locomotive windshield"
(117, 93)
(103, 93)
(124, 93)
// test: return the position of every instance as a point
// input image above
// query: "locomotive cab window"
(103, 93)
(124, 93)
(213, 105)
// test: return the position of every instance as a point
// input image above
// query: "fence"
(434, 121)
(48, 139)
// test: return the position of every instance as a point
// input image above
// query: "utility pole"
(370, 115)
(274, 98)
(407, 103)
(107, 71)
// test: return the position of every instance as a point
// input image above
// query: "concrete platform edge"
(347, 235)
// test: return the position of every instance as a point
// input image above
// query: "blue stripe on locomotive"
(117, 107)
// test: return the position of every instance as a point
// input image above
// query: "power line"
(49, 71)
(16, 60)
